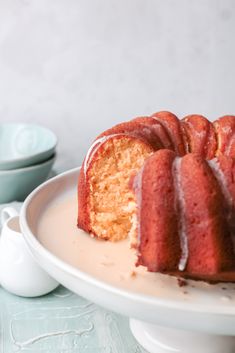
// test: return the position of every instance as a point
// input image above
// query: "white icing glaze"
(229, 146)
(175, 142)
(213, 163)
(200, 134)
(138, 186)
(113, 262)
(180, 206)
(93, 149)
(226, 298)
(226, 129)
(31, 341)
(227, 195)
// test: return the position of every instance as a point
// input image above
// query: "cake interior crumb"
(112, 203)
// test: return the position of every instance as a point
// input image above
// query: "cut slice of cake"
(105, 201)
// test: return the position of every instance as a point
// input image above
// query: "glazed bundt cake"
(188, 229)
(169, 185)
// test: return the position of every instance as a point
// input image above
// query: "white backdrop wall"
(79, 66)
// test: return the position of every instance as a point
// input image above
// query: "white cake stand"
(204, 323)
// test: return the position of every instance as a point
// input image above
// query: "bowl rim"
(141, 299)
(29, 168)
(28, 157)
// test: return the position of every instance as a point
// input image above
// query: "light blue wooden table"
(61, 322)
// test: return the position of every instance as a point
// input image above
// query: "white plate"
(209, 309)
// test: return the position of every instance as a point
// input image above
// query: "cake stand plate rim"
(64, 269)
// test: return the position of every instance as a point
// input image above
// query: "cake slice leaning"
(157, 238)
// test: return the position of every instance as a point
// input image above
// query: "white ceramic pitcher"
(19, 273)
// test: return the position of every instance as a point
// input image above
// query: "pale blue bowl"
(22, 145)
(16, 184)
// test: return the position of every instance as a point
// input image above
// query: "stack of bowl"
(27, 154)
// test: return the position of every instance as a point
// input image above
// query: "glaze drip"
(230, 145)
(93, 149)
(180, 209)
(215, 167)
(222, 180)
(138, 188)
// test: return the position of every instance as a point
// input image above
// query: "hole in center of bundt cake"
(112, 204)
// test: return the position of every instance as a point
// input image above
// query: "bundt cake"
(169, 185)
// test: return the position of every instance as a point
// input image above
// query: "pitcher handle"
(7, 213)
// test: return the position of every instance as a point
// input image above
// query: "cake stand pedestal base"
(156, 339)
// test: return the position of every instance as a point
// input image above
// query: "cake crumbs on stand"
(131, 274)
(182, 282)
